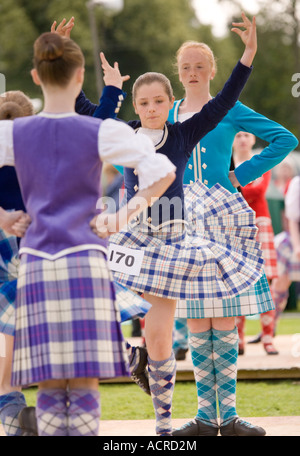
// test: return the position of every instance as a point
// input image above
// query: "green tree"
(269, 90)
(18, 33)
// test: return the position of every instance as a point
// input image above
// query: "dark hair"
(148, 78)
(15, 104)
(56, 58)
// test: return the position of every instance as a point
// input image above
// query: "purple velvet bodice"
(59, 170)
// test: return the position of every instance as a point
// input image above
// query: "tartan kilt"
(67, 320)
(9, 264)
(255, 300)
(217, 256)
(265, 236)
(287, 261)
(131, 304)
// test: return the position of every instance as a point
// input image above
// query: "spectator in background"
(255, 195)
(112, 187)
(284, 173)
(287, 244)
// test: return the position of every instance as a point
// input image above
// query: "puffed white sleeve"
(292, 200)
(6, 143)
(119, 145)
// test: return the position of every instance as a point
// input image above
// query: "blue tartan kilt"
(255, 300)
(9, 263)
(213, 255)
(67, 321)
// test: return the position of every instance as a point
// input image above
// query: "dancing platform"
(255, 363)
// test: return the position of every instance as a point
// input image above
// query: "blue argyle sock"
(225, 354)
(84, 412)
(201, 351)
(51, 412)
(161, 380)
(10, 406)
(180, 337)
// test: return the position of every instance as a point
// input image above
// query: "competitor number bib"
(125, 260)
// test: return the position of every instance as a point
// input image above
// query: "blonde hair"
(56, 58)
(204, 48)
(15, 104)
(149, 78)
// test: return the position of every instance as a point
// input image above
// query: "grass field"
(254, 398)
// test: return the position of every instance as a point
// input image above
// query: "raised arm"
(64, 28)
(248, 37)
(216, 109)
(112, 95)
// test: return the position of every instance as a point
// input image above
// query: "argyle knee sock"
(201, 352)
(225, 354)
(240, 323)
(10, 406)
(51, 412)
(180, 339)
(84, 412)
(161, 380)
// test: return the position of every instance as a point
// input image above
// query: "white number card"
(123, 259)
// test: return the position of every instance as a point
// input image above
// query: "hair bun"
(15, 104)
(49, 47)
(10, 110)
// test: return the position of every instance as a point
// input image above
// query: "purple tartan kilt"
(67, 321)
(287, 260)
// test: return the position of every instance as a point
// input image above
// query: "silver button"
(205, 182)
(190, 166)
(204, 166)
(136, 187)
(203, 149)
(135, 172)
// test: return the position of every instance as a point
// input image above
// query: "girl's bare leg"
(159, 323)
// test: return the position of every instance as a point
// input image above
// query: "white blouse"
(117, 144)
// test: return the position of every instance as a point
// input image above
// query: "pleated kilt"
(265, 236)
(9, 264)
(131, 304)
(287, 262)
(67, 320)
(256, 300)
(216, 256)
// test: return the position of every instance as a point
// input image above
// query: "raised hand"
(63, 29)
(112, 75)
(248, 36)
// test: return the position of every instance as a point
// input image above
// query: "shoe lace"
(138, 381)
(245, 423)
